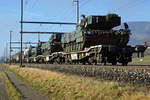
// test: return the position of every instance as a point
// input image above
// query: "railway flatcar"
(94, 41)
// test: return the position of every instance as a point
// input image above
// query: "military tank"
(41, 53)
(96, 30)
(94, 41)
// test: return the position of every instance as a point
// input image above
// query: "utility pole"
(38, 37)
(4, 55)
(21, 32)
(10, 48)
(77, 1)
(6, 52)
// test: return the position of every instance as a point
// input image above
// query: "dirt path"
(26, 91)
(3, 92)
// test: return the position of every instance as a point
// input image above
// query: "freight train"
(94, 41)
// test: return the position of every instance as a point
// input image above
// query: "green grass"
(146, 59)
(11, 90)
(61, 86)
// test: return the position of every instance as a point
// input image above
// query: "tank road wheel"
(104, 61)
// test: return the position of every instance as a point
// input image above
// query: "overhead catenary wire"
(130, 4)
(70, 13)
(65, 14)
(34, 4)
(84, 3)
(81, 1)
(23, 22)
(31, 4)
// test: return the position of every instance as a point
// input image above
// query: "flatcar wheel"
(103, 64)
(95, 62)
(104, 61)
(89, 63)
(114, 63)
(83, 63)
(124, 63)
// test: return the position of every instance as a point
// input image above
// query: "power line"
(84, 3)
(31, 4)
(10, 47)
(26, 2)
(68, 13)
(34, 4)
(129, 4)
(27, 32)
(21, 28)
(77, 7)
(32, 22)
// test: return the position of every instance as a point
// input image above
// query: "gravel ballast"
(131, 75)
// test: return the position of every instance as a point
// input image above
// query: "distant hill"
(140, 32)
(147, 52)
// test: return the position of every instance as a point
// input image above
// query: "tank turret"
(100, 22)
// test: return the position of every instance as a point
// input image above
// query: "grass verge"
(12, 92)
(60, 86)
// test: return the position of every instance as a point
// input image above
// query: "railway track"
(134, 73)
(130, 66)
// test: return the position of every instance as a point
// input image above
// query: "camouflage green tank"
(53, 45)
(96, 30)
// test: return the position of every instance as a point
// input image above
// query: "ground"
(63, 86)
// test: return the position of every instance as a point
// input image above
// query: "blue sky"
(65, 11)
